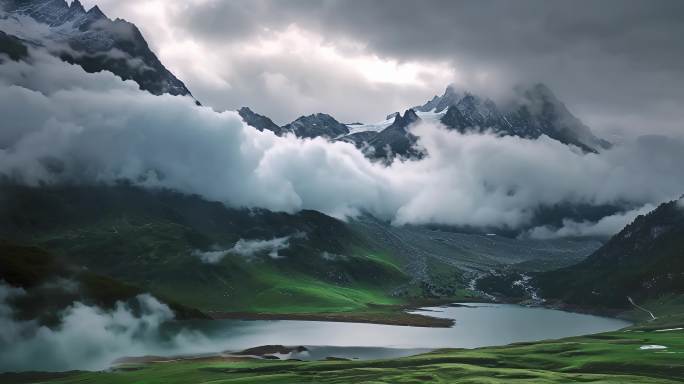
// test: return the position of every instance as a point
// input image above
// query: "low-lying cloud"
(61, 124)
(606, 226)
(329, 256)
(247, 248)
(87, 337)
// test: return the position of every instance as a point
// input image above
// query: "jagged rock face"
(392, 115)
(473, 114)
(538, 112)
(534, 112)
(258, 121)
(317, 125)
(97, 43)
(360, 139)
(440, 103)
(51, 12)
(396, 140)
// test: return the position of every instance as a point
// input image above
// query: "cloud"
(607, 59)
(292, 72)
(210, 257)
(64, 125)
(8, 329)
(605, 227)
(247, 248)
(28, 29)
(284, 71)
(325, 255)
(87, 337)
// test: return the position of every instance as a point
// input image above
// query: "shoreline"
(614, 313)
(399, 315)
(396, 315)
(403, 319)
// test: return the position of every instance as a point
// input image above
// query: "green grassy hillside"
(644, 261)
(151, 239)
(51, 284)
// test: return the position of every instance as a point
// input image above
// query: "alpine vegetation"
(333, 191)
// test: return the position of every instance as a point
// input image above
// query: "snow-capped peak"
(441, 103)
(90, 39)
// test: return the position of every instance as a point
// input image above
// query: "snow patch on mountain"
(430, 116)
(89, 39)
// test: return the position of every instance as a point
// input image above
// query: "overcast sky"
(617, 64)
(357, 63)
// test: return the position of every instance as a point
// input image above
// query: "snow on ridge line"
(377, 127)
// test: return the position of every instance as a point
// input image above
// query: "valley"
(311, 213)
(415, 266)
(362, 270)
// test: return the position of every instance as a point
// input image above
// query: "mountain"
(90, 39)
(360, 140)
(95, 42)
(531, 113)
(316, 125)
(397, 139)
(644, 261)
(538, 112)
(202, 254)
(51, 284)
(472, 114)
(440, 103)
(260, 122)
(305, 127)
(13, 47)
(379, 142)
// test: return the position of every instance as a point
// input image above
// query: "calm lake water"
(477, 325)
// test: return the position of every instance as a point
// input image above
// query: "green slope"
(52, 284)
(644, 261)
(151, 238)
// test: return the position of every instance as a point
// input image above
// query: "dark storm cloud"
(645, 34)
(607, 59)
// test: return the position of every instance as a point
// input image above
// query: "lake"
(477, 325)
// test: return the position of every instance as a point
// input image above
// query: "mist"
(89, 337)
(62, 125)
(247, 248)
(605, 227)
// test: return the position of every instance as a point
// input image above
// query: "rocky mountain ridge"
(534, 112)
(92, 40)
